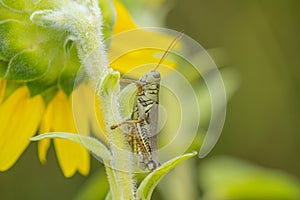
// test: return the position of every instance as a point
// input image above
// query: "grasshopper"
(144, 118)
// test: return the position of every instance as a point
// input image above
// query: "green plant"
(79, 23)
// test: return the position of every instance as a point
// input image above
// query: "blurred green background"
(260, 40)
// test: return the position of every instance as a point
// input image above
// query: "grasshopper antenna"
(169, 48)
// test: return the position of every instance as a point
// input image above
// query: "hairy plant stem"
(84, 21)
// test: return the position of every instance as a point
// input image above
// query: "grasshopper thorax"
(150, 77)
(148, 86)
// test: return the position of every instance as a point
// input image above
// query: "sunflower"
(37, 74)
(39, 98)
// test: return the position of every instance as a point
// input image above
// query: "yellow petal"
(87, 113)
(139, 62)
(139, 47)
(124, 21)
(59, 117)
(141, 50)
(20, 117)
(43, 145)
(71, 157)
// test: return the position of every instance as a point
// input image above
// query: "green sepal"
(27, 65)
(147, 186)
(27, 6)
(3, 68)
(68, 45)
(48, 80)
(68, 75)
(9, 42)
(31, 49)
(109, 18)
(10, 87)
(17, 35)
(49, 94)
(2, 58)
(39, 86)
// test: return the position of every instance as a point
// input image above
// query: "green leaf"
(229, 178)
(91, 144)
(127, 98)
(147, 186)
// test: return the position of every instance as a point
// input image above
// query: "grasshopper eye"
(156, 74)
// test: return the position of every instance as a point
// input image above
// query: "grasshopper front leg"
(126, 122)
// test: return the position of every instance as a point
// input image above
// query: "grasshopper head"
(151, 77)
